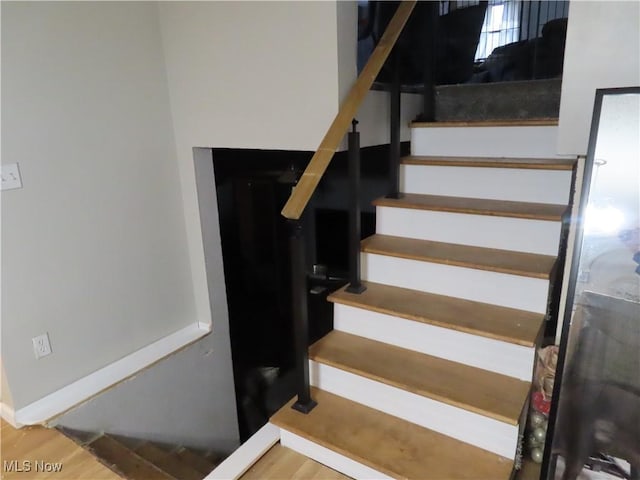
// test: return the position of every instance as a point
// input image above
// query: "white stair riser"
(330, 458)
(469, 427)
(517, 142)
(505, 233)
(514, 291)
(513, 184)
(494, 355)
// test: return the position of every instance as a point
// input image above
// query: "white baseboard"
(62, 400)
(247, 454)
(328, 457)
(9, 415)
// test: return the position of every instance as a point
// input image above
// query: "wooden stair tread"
(168, 462)
(476, 206)
(282, 462)
(480, 391)
(490, 162)
(388, 444)
(198, 462)
(125, 461)
(480, 258)
(48, 445)
(525, 122)
(491, 321)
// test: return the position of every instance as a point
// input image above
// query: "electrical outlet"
(41, 345)
(10, 175)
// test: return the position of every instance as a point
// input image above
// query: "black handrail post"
(394, 133)
(299, 289)
(355, 285)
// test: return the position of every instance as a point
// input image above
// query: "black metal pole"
(304, 403)
(394, 134)
(355, 285)
(555, 291)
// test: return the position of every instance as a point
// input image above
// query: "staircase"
(145, 460)
(427, 373)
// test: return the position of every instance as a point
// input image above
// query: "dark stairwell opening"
(252, 187)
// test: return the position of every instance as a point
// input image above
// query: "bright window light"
(495, 23)
(603, 220)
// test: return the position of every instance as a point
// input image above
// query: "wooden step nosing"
(167, 461)
(416, 391)
(399, 203)
(461, 307)
(116, 468)
(503, 358)
(456, 263)
(432, 321)
(499, 438)
(341, 462)
(340, 451)
(461, 425)
(512, 291)
(561, 164)
(505, 239)
(398, 447)
(509, 262)
(533, 122)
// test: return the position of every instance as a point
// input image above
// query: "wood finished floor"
(38, 444)
(281, 463)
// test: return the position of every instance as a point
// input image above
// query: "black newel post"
(394, 133)
(299, 289)
(355, 286)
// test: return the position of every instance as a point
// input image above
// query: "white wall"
(263, 75)
(246, 75)
(186, 399)
(603, 51)
(251, 74)
(191, 400)
(94, 246)
(375, 117)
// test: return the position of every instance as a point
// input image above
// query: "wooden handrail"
(313, 173)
